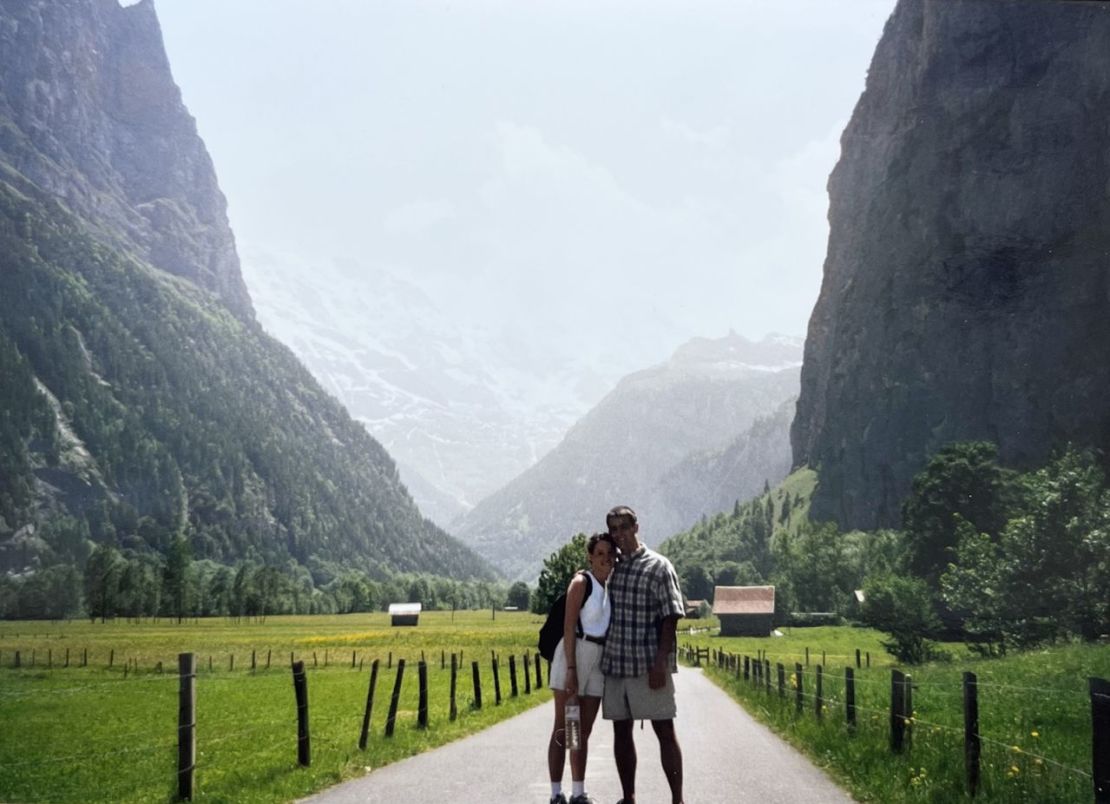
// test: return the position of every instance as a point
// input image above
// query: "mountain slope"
(706, 396)
(142, 402)
(966, 293)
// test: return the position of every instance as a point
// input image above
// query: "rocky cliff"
(89, 111)
(966, 290)
(141, 404)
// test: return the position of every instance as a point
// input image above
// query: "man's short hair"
(621, 512)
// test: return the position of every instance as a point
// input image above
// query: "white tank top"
(594, 614)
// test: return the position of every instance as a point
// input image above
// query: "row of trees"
(118, 584)
(997, 557)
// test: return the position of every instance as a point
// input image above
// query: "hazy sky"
(634, 173)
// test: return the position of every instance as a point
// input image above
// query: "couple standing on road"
(618, 650)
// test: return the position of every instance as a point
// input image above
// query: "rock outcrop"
(89, 112)
(966, 292)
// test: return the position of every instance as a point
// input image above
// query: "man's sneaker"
(559, 799)
(581, 799)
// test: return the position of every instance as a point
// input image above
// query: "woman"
(576, 669)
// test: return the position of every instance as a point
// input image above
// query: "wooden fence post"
(67, 657)
(527, 676)
(268, 652)
(747, 668)
(354, 655)
(767, 674)
(496, 681)
(857, 658)
(798, 703)
(422, 706)
(513, 690)
(897, 708)
(907, 709)
(1100, 737)
(818, 691)
(111, 657)
(539, 677)
(391, 719)
(782, 679)
(477, 685)
(971, 732)
(15, 661)
(850, 696)
(365, 733)
(186, 724)
(454, 679)
(807, 657)
(300, 689)
(254, 662)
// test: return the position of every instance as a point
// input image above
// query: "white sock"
(578, 788)
(556, 788)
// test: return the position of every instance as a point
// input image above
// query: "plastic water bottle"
(572, 718)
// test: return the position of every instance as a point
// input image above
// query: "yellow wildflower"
(1034, 733)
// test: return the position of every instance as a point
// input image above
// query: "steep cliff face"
(966, 292)
(140, 401)
(89, 111)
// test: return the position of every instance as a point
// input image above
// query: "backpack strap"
(578, 632)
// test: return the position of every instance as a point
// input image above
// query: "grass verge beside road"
(97, 734)
(1034, 716)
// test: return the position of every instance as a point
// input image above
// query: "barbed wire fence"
(815, 691)
(186, 741)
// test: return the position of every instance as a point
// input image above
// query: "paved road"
(729, 757)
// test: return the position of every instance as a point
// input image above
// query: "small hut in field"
(404, 613)
(745, 610)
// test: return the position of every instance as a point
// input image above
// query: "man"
(639, 657)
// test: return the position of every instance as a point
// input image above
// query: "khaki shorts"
(587, 659)
(632, 699)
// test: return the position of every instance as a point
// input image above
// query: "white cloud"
(416, 217)
(715, 137)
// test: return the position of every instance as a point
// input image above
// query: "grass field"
(1034, 711)
(101, 733)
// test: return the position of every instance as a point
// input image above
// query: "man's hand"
(657, 678)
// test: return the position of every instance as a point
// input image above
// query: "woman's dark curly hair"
(591, 543)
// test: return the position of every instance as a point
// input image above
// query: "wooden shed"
(745, 610)
(404, 613)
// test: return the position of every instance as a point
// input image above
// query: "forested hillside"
(999, 558)
(138, 409)
(154, 441)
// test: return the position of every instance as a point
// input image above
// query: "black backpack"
(552, 629)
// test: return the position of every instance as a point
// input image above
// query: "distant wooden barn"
(745, 610)
(404, 613)
(693, 609)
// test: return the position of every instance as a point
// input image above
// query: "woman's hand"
(571, 684)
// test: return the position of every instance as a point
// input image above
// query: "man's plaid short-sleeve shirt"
(643, 589)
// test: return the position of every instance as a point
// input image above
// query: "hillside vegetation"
(139, 413)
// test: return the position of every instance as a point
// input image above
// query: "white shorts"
(587, 658)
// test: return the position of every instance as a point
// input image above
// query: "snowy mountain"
(686, 437)
(462, 410)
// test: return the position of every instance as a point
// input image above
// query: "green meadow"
(1034, 715)
(108, 733)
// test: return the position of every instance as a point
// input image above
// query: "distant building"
(745, 610)
(693, 609)
(404, 613)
